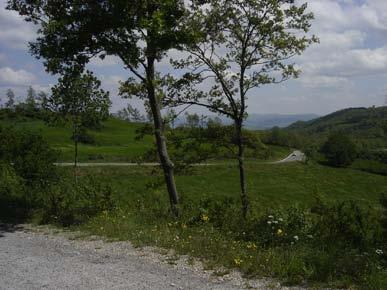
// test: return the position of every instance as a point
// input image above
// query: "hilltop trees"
(138, 32)
(241, 45)
(10, 103)
(339, 150)
(131, 114)
(78, 99)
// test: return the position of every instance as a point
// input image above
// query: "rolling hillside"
(114, 142)
(365, 124)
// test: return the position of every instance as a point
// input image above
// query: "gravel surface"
(46, 258)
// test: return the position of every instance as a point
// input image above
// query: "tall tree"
(130, 114)
(78, 99)
(10, 103)
(31, 99)
(242, 45)
(139, 32)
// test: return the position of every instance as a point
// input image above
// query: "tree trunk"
(165, 161)
(75, 136)
(242, 177)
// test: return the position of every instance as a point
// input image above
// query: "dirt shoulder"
(46, 258)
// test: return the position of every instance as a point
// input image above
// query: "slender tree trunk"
(75, 136)
(241, 164)
(165, 161)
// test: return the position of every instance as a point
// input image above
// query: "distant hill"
(361, 123)
(266, 121)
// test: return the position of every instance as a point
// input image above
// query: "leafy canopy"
(72, 32)
(240, 45)
(79, 99)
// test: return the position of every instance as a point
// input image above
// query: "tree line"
(229, 48)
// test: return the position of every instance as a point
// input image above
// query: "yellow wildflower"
(279, 232)
(238, 261)
(205, 218)
(251, 246)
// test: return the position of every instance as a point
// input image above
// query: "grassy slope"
(364, 124)
(114, 142)
(272, 187)
(269, 185)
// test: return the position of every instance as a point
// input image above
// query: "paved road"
(101, 164)
(43, 260)
(293, 157)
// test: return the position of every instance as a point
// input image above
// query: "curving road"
(293, 157)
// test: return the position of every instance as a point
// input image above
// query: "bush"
(32, 160)
(11, 185)
(339, 150)
(347, 225)
(69, 203)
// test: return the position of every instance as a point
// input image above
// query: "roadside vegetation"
(309, 223)
(321, 222)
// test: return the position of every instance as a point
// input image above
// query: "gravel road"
(44, 258)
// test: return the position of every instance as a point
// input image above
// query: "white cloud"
(321, 81)
(109, 60)
(15, 32)
(21, 77)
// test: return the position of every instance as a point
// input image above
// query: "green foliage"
(78, 98)
(10, 103)
(295, 244)
(68, 203)
(281, 137)
(347, 225)
(383, 203)
(339, 150)
(31, 158)
(365, 125)
(371, 166)
(11, 185)
(114, 141)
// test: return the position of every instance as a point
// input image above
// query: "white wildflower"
(270, 217)
(296, 238)
(269, 222)
(379, 252)
(281, 219)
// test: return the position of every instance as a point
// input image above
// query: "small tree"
(192, 120)
(10, 104)
(31, 99)
(241, 45)
(339, 150)
(131, 114)
(78, 99)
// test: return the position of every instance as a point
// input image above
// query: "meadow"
(308, 224)
(212, 230)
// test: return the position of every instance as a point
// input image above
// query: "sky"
(348, 68)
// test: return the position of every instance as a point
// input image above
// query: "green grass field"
(142, 217)
(114, 142)
(140, 209)
(269, 185)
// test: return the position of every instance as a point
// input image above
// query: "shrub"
(339, 150)
(69, 203)
(31, 159)
(11, 186)
(346, 224)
